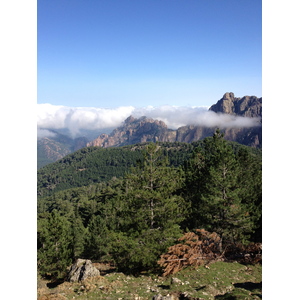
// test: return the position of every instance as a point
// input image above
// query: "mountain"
(133, 131)
(247, 106)
(148, 130)
(51, 149)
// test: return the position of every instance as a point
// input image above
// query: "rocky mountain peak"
(247, 106)
(228, 96)
(129, 120)
(144, 129)
(135, 130)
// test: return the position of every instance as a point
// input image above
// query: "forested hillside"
(93, 164)
(129, 205)
(83, 167)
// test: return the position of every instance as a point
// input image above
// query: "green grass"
(231, 281)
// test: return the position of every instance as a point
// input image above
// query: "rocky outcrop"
(148, 130)
(81, 270)
(192, 133)
(145, 129)
(135, 131)
(247, 106)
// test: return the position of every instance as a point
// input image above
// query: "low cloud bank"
(175, 117)
(42, 133)
(77, 118)
(92, 118)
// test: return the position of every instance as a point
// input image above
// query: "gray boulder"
(82, 269)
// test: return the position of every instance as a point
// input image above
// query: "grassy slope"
(221, 281)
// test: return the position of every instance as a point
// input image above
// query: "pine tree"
(97, 238)
(250, 181)
(54, 245)
(154, 210)
(78, 234)
(219, 199)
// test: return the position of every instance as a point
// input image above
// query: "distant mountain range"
(140, 130)
(148, 130)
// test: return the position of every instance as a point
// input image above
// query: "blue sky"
(155, 52)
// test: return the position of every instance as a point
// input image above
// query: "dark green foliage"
(250, 181)
(84, 167)
(222, 193)
(54, 245)
(153, 210)
(97, 238)
(78, 234)
(150, 192)
(130, 204)
(92, 165)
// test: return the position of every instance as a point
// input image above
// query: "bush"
(196, 248)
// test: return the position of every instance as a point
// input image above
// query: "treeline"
(93, 165)
(132, 220)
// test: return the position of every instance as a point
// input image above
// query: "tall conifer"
(218, 200)
(153, 209)
(54, 245)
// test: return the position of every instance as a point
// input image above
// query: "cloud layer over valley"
(76, 119)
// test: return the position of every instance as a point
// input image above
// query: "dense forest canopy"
(130, 204)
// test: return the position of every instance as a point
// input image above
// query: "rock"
(175, 280)
(168, 297)
(141, 130)
(82, 269)
(247, 106)
(224, 105)
(135, 131)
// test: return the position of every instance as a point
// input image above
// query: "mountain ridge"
(140, 130)
(247, 106)
(145, 129)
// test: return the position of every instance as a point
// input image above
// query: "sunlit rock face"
(140, 130)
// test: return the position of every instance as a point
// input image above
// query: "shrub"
(196, 248)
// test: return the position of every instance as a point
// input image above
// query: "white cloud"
(42, 133)
(77, 118)
(177, 116)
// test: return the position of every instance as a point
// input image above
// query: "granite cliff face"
(247, 106)
(148, 130)
(136, 131)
